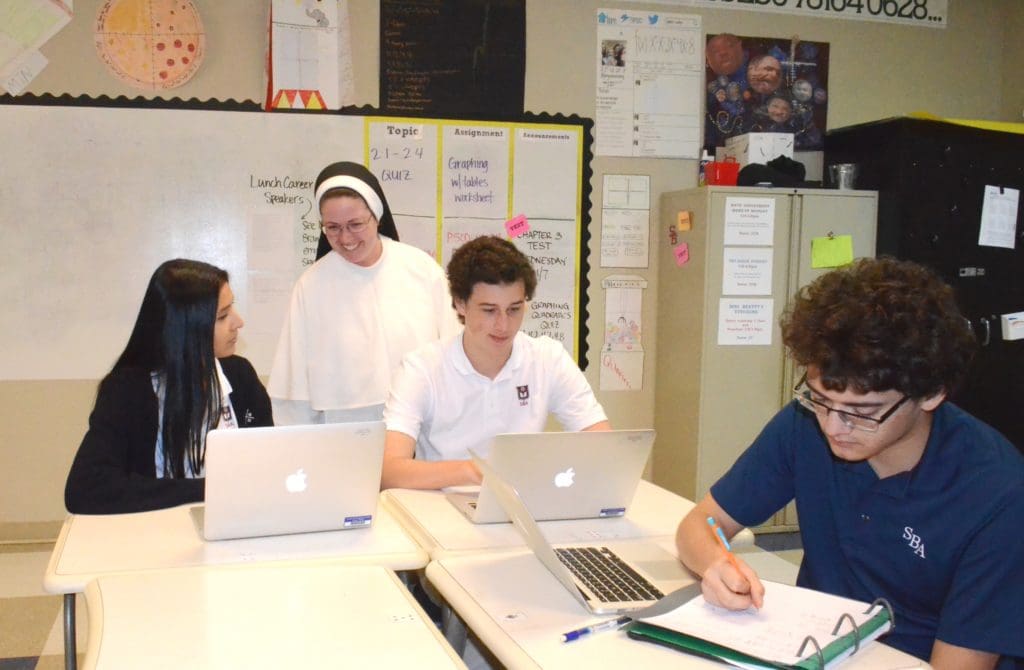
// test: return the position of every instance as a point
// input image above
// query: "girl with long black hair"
(176, 379)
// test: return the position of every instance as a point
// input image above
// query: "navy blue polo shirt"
(943, 542)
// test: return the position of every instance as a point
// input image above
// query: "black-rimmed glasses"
(869, 424)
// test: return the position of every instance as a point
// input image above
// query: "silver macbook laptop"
(606, 577)
(579, 475)
(291, 479)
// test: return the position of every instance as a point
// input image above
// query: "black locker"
(931, 178)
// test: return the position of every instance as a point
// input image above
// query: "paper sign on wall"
(517, 225)
(310, 55)
(19, 73)
(747, 271)
(625, 221)
(625, 238)
(999, 217)
(831, 252)
(25, 26)
(622, 354)
(649, 83)
(682, 254)
(750, 221)
(744, 321)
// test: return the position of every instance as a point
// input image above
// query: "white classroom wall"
(877, 70)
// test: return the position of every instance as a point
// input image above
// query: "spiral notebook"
(796, 628)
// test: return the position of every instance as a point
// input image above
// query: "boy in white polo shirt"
(449, 396)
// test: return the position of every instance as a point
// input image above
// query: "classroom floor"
(31, 625)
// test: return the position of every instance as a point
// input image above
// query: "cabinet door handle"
(988, 331)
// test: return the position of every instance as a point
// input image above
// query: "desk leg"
(453, 628)
(70, 642)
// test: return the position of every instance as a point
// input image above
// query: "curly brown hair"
(880, 324)
(492, 260)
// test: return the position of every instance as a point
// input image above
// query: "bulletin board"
(98, 192)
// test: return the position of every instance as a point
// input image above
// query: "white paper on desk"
(776, 631)
(999, 217)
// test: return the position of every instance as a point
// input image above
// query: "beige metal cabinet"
(712, 399)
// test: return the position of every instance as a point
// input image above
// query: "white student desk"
(443, 531)
(519, 611)
(272, 615)
(92, 546)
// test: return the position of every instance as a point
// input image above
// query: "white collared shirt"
(438, 397)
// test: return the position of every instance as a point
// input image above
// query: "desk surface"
(91, 546)
(266, 616)
(519, 611)
(443, 531)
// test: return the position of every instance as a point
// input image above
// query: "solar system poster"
(763, 85)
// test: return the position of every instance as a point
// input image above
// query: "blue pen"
(610, 624)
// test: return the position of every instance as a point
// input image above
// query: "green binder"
(820, 650)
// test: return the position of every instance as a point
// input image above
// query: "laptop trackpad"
(666, 570)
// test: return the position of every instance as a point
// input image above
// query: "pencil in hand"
(755, 590)
(720, 536)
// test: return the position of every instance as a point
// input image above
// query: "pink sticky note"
(682, 253)
(517, 225)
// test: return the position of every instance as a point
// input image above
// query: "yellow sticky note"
(683, 221)
(831, 252)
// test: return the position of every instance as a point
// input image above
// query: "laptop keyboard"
(606, 575)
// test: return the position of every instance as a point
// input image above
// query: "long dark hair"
(173, 336)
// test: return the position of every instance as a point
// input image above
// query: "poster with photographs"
(762, 84)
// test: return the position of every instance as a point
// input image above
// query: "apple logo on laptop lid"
(296, 482)
(565, 479)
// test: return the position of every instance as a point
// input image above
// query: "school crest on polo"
(524, 395)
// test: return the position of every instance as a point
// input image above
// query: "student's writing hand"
(730, 583)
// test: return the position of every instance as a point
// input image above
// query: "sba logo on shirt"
(524, 395)
(913, 541)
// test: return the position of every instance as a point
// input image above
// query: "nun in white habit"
(366, 302)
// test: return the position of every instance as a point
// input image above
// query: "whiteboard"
(95, 198)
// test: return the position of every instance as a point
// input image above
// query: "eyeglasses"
(868, 424)
(335, 229)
